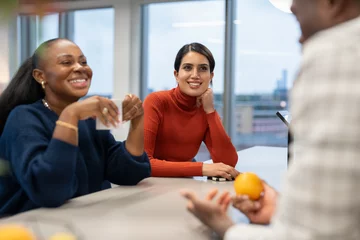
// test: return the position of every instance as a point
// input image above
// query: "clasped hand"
(106, 110)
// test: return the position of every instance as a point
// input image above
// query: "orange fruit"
(248, 184)
(15, 232)
(63, 236)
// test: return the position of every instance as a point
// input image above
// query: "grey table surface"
(153, 209)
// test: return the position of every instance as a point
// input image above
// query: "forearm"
(162, 168)
(67, 134)
(135, 141)
(219, 143)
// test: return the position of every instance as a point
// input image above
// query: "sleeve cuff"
(248, 232)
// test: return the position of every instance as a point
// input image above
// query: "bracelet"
(67, 125)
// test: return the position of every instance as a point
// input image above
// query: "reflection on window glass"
(48, 27)
(94, 34)
(267, 55)
(172, 25)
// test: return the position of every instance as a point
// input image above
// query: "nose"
(195, 73)
(78, 67)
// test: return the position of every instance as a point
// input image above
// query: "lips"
(79, 83)
(194, 85)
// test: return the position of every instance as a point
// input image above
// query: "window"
(267, 55)
(48, 27)
(169, 26)
(92, 30)
(94, 34)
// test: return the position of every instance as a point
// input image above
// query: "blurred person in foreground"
(319, 199)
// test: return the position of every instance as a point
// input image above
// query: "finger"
(190, 195)
(211, 194)
(232, 171)
(130, 114)
(126, 102)
(222, 198)
(224, 174)
(129, 110)
(106, 113)
(190, 207)
(238, 199)
(248, 206)
(226, 202)
(112, 112)
(111, 120)
(114, 108)
(102, 118)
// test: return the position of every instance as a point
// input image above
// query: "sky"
(266, 42)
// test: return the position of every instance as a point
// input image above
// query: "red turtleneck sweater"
(173, 131)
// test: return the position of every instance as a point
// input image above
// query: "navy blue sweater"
(46, 172)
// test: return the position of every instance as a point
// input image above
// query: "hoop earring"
(43, 84)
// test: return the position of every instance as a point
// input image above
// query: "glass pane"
(94, 33)
(267, 55)
(48, 27)
(172, 25)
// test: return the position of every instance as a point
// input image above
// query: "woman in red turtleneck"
(178, 120)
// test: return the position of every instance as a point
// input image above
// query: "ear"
(337, 7)
(38, 75)
(212, 75)
(176, 75)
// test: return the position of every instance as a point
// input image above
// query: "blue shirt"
(46, 172)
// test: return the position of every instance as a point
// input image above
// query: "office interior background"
(131, 46)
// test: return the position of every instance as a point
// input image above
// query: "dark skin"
(67, 77)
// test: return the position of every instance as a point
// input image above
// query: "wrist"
(204, 169)
(210, 110)
(135, 122)
(69, 115)
(221, 225)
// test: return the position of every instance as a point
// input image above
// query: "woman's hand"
(102, 108)
(207, 101)
(131, 107)
(219, 170)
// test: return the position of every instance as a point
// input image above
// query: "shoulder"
(336, 44)
(158, 99)
(24, 118)
(25, 113)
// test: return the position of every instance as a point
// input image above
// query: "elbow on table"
(133, 178)
(51, 196)
(49, 200)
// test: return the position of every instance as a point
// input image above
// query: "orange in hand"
(15, 232)
(248, 184)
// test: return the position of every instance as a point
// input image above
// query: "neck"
(56, 104)
(184, 101)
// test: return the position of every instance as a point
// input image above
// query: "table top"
(153, 209)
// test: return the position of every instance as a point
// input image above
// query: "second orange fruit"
(248, 184)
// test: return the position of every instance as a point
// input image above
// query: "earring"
(43, 84)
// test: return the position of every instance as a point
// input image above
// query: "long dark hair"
(194, 47)
(23, 88)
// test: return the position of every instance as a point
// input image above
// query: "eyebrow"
(202, 64)
(68, 55)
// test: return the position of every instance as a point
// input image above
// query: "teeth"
(194, 84)
(77, 80)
